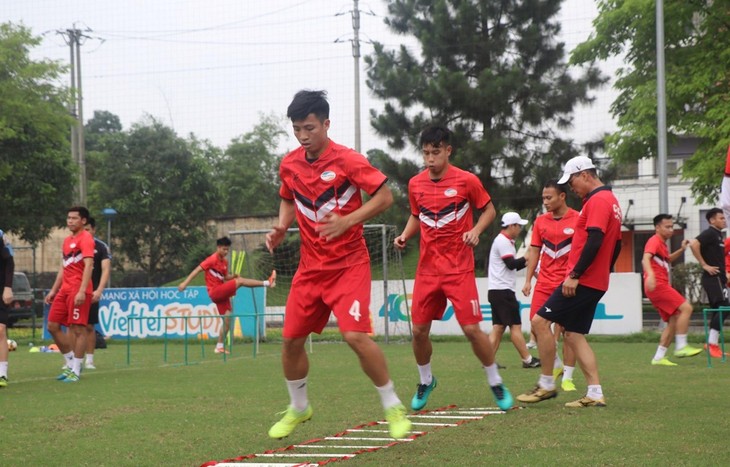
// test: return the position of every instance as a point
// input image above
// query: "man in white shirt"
(502, 279)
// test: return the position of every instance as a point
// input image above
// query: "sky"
(214, 67)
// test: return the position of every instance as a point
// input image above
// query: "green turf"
(151, 413)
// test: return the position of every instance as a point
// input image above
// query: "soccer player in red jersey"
(70, 296)
(222, 286)
(552, 239)
(673, 308)
(596, 245)
(320, 187)
(443, 198)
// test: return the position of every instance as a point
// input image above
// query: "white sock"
(493, 376)
(546, 382)
(528, 359)
(714, 337)
(424, 372)
(76, 365)
(298, 393)
(557, 363)
(89, 358)
(4, 369)
(219, 345)
(680, 341)
(69, 358)
(595, 392)
(388, 397)
(568, 372)
(660, 353)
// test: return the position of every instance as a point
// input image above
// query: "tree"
(163, 193)
(37, 176)
(697, 81)
(493, 71)
(249, 170)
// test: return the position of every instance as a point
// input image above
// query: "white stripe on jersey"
(447, 219)
(328, 207)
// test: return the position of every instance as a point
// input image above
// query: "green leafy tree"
(494, 72)
(697, 80)
(164, 194)
(37, 176)
(248, 170)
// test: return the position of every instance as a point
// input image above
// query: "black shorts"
(4, 313)
(575, 314)
(715, 289)
(94, 313)
(505, 309)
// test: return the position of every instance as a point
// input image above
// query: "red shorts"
(221, 295)
(539, 296)
(666, 300)
(430, 294)
(314, 294)
(64, 311)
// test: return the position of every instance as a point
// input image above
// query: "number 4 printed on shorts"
(355, 310)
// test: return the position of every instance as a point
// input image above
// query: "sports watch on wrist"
(574, 275)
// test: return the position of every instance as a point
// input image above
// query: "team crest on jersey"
(327, 176)
(568, 231)
(617, 212)
(73, 245)
(450, 192)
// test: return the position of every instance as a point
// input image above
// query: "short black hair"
(223, 241)
(92, 222)
(307, 102)
(553, 183)
(83, 212)
(712, 213)
(661, 217)
(435, 135)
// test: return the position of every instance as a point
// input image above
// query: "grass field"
(152, 414)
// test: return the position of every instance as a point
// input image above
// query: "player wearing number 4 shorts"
(672, 307)
(321, 185)
(442, 199)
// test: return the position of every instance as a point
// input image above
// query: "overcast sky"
(212, 67)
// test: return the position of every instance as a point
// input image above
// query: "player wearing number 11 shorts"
(443, 198)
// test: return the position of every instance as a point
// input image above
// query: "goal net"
(389, 305)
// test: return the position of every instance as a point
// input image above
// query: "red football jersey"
(555, 238)
(216, 270)
(600, 211)
(445, 209)
(329, 184)
(659, 259)
(75, 249)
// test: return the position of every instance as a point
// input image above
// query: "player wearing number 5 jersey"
(443, 199)
(320, 187)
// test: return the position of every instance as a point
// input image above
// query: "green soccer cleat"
(663, 362)
(71, 378)
(291, 419)
(557, 371)
(64, 374)
(687, 351)
(502, 396)
(537, 394)
(586, 402)
(567, 385)
(3, 381)
(422, 392)
(398, 424)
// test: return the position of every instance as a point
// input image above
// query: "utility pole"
(661, 110)
(73, 38)
(356, 56)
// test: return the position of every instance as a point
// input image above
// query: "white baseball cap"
(510, 218)
(575, 165)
